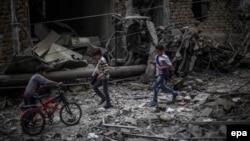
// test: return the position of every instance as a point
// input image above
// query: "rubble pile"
(192, 50)
(204, 107)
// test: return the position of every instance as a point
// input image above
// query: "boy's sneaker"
(152, 104)
(174, 96)
(108, 106)
(102, 101)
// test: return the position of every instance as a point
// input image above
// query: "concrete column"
(15, 30)
(166, 12)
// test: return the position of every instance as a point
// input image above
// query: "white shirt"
(163, 60)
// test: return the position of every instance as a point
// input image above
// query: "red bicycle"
(33, 119)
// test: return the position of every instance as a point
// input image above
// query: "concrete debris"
(134, 118)
(166, 117)
(84, 41)
(42, 47)
(204, 99)
(227, 105)
(58, 52)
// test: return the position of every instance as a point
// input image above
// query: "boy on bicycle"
(35, 83)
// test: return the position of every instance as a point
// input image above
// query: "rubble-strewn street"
(206, 104)
(203, 44)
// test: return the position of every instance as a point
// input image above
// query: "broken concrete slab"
(227, 105)
(201, 98)
(126, 110)
(43, 46)
(58, 52)
(131, 121)
(206, 112)
(68, 64)
(65, 39)
(85, 41)
(167, 117)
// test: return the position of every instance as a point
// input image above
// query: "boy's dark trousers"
(105, 94)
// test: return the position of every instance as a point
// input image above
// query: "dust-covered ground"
(214, 98)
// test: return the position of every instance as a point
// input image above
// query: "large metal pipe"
(121, 72)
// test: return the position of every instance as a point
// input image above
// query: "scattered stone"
(188, 88)
(170, 110)
(187, 98)
(206, 112)
(183, 93)
(211, 104)
(236, 99)
(200, 81)
(195, 130)
(179, 98)
(57, 136)
(227, 105)
(166, 117)
(153, 119)
(223, 130)
(92, 136)
(161, 106)
(108, 133)
(79, 135)
(201, 98)
(126, 110)
(125, 130)
(131, 121)
(182, 103)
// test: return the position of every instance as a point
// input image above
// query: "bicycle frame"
(46, 106)
(33, 120)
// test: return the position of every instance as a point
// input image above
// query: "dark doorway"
(199, 8)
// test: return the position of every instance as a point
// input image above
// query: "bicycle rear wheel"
(70, 113)
(33, 122)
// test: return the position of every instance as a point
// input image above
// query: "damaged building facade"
(88, 19)
(207, 41)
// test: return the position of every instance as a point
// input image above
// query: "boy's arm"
(46, 81)
(152, 62)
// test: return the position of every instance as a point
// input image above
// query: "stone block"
(131, 121)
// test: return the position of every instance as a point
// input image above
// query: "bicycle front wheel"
(33, 122)
(70, 113)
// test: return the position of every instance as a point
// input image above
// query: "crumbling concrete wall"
(222, 15)
(5, 29)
